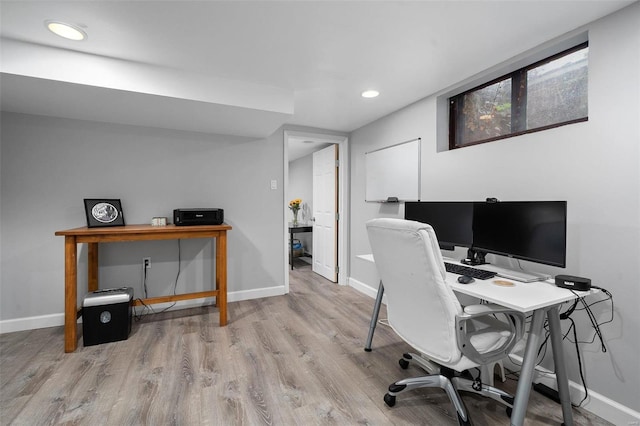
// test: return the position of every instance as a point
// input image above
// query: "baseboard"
(363, 288)
(31, 323)
(55, 320)
(596, 403)
(237, 296)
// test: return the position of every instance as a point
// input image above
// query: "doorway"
(297, 146)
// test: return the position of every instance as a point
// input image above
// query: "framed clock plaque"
(103, 212)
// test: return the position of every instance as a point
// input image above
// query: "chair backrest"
(421, 307)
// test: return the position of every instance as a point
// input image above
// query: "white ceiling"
(247, 67)
(301, 144)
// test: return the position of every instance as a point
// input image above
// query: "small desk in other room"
(93, 236)
(295, 229)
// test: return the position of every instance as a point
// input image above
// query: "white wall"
(593, 165)
(49, 165)
(301, 186)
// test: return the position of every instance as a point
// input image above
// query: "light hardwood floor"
(289, 360)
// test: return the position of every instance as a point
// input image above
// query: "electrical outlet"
(146, 263)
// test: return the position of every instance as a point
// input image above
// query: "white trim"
(55, 320)
(343, 209)
(364, 288)
(610, 410)
(259, 293)
(343, 199)
(285, 185)
(31, 323)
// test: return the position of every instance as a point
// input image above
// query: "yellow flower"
(295, 204)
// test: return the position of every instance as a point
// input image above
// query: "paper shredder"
(107, 315)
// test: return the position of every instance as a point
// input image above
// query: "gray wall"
(301, 186)
(49, 165)
(593, 165)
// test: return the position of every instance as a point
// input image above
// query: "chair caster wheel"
(404, 364)
(390, 400)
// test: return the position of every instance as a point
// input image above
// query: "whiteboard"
(393, 171)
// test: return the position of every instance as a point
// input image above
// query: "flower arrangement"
(294, 205)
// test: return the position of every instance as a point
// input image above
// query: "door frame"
(343, 199)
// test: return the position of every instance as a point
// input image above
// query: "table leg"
(70, 294)
(374, 317)
(291, 249)
(92, 260)
(562, 380)
(528, 365)
(221, 276)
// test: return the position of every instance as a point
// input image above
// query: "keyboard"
(476, 273)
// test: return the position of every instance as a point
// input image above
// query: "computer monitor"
(530, 230)
(451, 220)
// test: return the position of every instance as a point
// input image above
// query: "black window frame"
(518, 103)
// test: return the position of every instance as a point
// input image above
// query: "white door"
(325, 212)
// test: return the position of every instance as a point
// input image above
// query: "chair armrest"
(465, 329)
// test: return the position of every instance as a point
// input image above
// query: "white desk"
(540, 297)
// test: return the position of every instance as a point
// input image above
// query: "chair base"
(430, 381)
(488, 372)
(448, 380)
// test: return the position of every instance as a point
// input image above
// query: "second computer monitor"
(451, 220)
(528, 230)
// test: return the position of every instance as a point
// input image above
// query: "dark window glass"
(547, 94)
(557, 90)
(486, 112)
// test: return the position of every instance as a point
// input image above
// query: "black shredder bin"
(106, 315)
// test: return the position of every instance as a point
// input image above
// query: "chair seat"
(490, 341)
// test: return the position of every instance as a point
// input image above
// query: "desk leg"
(374, 317)
(70, 294)
(221, 276)
(528, 364)
(562, 380)
(92, 260)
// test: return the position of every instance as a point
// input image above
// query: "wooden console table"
(93, 236)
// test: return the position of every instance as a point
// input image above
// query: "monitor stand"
(474, 258)
(522, 276)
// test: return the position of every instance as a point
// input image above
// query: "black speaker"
(573, 283)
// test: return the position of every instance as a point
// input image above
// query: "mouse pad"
(503, 283)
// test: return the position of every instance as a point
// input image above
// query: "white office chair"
(423, 310)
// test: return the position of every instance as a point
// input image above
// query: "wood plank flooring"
(296, 359)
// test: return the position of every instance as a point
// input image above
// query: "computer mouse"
(464, 279)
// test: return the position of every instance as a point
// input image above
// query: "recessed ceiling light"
(370, 93)
(68, 31)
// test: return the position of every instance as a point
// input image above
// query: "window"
(547, 94)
